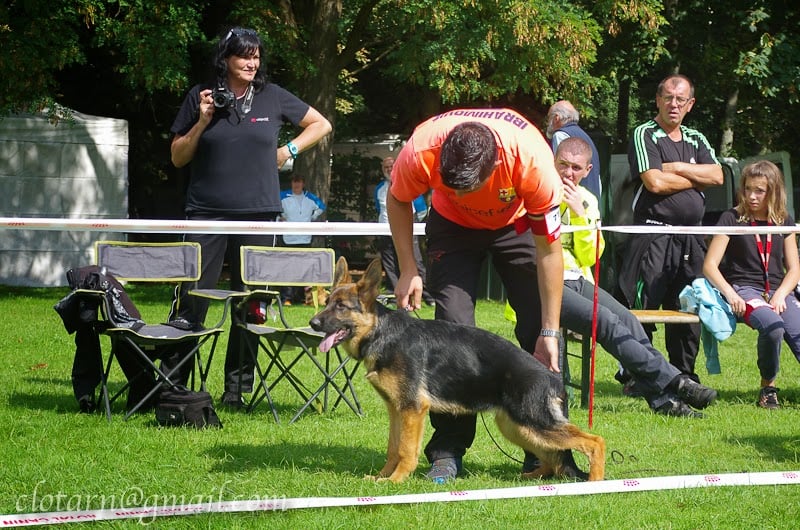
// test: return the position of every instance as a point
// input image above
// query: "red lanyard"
(764, 256)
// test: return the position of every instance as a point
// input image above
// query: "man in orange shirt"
(493, 178)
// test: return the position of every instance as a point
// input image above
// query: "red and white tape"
(168, 226)
(149, 513)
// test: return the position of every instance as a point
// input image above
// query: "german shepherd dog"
(419, 365)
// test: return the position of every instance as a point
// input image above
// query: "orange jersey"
(525, 179)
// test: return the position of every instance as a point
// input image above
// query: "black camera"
(223, 98)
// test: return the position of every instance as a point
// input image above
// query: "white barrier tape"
(700, 230)
(146, 513)
(166, 226)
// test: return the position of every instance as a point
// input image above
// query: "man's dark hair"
(468, 156)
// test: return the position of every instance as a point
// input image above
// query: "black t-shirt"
(741, 265)
(235, 168)
(650, 148)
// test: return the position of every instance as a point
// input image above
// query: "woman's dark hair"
(468, 156)
(241, 42)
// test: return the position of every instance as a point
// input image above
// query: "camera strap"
(247, 104)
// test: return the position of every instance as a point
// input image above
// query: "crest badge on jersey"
(507, 194)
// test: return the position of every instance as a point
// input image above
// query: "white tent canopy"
(77, 168)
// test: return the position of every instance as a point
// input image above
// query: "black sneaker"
(86, 404)
(232, 401)
(768, 398)
(629, 389)
(530, 463)
(675, 407)
(695, 394)
(622, 377)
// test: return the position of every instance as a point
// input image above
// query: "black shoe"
(570, 468)
(768, 398)
(622, 377)
(675, 407)
(530, 463)
(86, 404)
(695, 394)
(232, 401)
(631, 390)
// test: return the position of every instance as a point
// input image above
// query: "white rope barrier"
(167, 226)
(147, 513)
(150, 511)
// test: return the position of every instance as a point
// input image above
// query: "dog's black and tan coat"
(419, 365)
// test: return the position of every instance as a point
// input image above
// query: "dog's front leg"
(392, 453)
(412, 427)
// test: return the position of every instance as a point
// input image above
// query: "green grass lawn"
(57, 459)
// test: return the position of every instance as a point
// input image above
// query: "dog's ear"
(370, 282)
(341, 273)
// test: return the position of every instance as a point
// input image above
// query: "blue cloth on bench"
(716, 318)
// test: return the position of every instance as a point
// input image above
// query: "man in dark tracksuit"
(674, 164)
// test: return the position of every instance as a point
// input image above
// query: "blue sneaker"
(444, 470)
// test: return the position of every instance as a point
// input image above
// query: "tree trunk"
(321, 84)
(728, 122)
(623, 115)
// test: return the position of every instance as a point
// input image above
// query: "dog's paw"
(373, 478)
(541, 471)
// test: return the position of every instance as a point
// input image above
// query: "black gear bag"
(178, 405)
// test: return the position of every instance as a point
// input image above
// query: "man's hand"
(408, 292)
(546, 352)
(573, 197)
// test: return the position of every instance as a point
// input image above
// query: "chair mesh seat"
(174, 262)
(265, 269)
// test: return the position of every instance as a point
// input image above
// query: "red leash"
(594, 322)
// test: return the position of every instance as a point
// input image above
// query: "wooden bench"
(645, 316)
(665, 316)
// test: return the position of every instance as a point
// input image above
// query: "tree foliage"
(484, 50)
(383, 65)
(742, 57)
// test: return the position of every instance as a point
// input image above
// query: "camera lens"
(223, 98)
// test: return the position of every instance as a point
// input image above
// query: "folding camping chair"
(265, 269)
(153, 262)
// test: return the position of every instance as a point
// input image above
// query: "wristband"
(292, 149)
(550, 333)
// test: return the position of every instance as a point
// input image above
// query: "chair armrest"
(217, 294)
(92, 293)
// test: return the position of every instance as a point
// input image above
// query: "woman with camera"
(227, 133)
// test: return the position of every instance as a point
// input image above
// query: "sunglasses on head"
(239, 32)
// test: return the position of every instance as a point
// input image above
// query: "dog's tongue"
(331, 340)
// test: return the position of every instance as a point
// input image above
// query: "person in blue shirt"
(562, 123)
(385, 244)
(299, 206)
